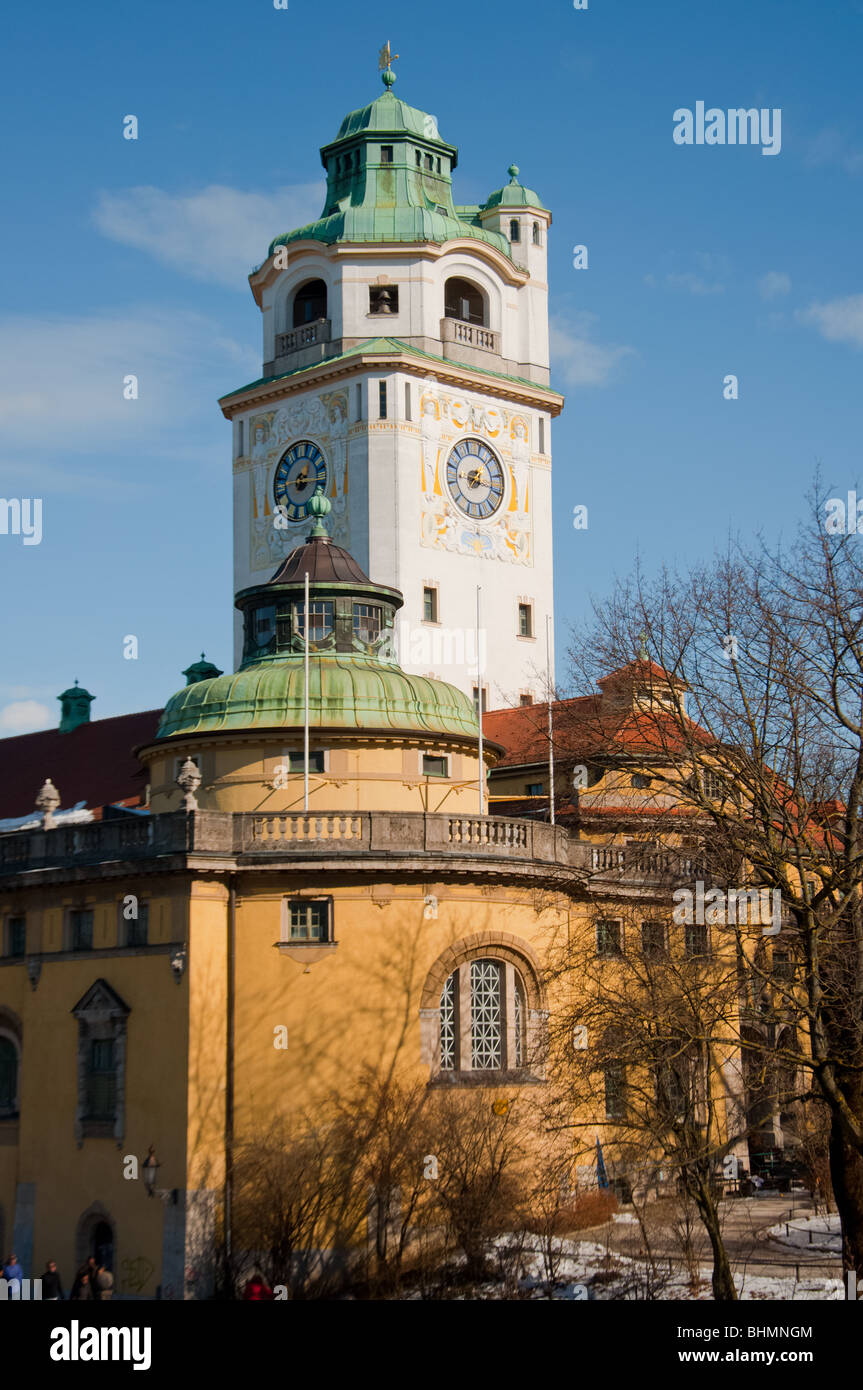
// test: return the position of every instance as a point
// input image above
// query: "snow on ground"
(809, 1233)
(585, 1269)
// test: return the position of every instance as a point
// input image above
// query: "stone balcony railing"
(261, 838)
(307, 335)
(469, 335)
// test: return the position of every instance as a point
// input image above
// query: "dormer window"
(514, 230)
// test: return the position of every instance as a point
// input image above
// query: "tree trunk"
(846, 1173)
(724, 1290)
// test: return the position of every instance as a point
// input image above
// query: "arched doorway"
(95, 1236)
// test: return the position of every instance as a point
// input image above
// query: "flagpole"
(481, 779)
(550, 740)
(307, 627)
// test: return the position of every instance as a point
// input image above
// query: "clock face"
(475, 479)
(300, 472)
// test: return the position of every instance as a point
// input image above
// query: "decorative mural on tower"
(320, 423)
(474, 477)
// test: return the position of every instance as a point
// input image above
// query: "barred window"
(483, 1019)
(695, 939)
(448, 1051)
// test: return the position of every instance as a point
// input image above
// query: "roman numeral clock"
(475, 479)
(300, 473)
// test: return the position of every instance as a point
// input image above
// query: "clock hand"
(301, 480)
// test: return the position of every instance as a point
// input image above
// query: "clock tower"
(406, 376)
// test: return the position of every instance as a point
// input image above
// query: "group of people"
(93, 1281)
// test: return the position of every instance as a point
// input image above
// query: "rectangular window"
(525, 620)
(614, 1091)
(16, 936)
(359, 396)
(81, 929)
(484, 698)
(309, 919)
(695, 941)
(534, 789)
(430, 163)
(419, 159)
(652, 939)
(525, 700)
(408, 415)
(241, 442)
(296, 762)
(138, 928)
(712, 785)
(367, 622)
(320, 620)
(386, 154)
(486, 1015)
(608, 938)
(434, 766)
(430, 605)
(101, 1080)
(382, 400)
(783, 965)
(541, 435)
(448, 1020)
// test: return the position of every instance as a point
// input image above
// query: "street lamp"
(150, 1170)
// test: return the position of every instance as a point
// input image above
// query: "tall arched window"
(9, 1059)
(483, 1018)
(537, 235)
(464, 301)
(310, 303)
(514, 230)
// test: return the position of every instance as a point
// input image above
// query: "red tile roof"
(93, 763)
(581, 729)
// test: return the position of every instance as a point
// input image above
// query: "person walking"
(52, 1284)
(13, 1273)
(82, 1288)
(103, 1284)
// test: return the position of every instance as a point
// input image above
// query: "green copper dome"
(389, 179)
(355, 682)
(344, 693)
(514, 194)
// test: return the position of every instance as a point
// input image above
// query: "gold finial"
(385, 59)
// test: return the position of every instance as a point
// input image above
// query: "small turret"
(74, 708)
(202, 670)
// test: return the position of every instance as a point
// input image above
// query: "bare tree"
(752, 675)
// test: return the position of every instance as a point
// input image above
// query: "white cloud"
(24, 717)
(216, 234)
(774, 284)
(577, 358)
(837, 320)
(61, 387)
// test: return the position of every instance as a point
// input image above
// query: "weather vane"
(386, 58)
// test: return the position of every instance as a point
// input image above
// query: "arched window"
(514, 230)
(310, 303)
(96, 1236)
(483, 1018)
(537, 235)
(9, 1060)
(464, 301)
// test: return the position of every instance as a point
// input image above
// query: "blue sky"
(131, 257)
